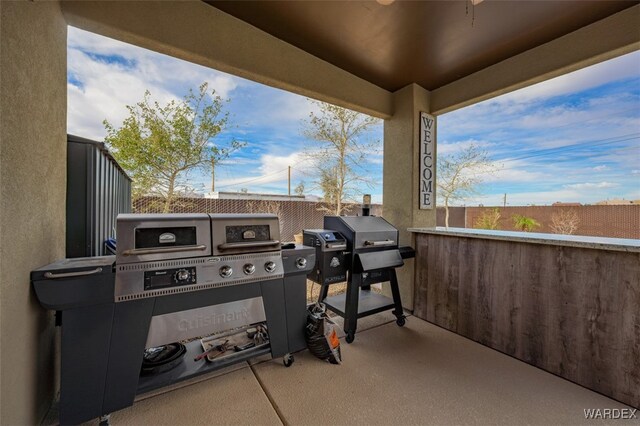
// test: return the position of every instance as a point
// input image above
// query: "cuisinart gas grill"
(365, 249)
(176, 279)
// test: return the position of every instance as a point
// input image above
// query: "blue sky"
(573, 138)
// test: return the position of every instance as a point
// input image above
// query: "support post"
(401, 179)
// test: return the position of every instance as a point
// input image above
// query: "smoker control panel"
(169, 278)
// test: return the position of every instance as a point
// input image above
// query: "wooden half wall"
(572, 311)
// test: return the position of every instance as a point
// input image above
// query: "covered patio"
(418, 374)
(505, 317)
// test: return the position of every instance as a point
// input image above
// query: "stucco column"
(401, 175)
(33, 101)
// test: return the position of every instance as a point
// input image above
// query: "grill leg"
(324, 291)
(395, 292)
(351, 306)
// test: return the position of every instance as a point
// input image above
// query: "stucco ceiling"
(431, 43)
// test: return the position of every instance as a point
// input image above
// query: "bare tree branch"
(341, 156)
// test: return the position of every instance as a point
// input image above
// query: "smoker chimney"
(366, 204)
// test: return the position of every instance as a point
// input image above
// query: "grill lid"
(364, 231)
(367, 223)
(153, 237)
(244, 233)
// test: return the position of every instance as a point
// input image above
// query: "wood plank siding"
(572, 311)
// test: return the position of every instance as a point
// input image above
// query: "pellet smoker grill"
(175, 279)
(361, 250)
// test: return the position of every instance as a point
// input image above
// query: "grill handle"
(380, 243)
(51, 275)
(250, 244)
(160, 250)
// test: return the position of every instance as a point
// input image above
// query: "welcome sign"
(427, 140)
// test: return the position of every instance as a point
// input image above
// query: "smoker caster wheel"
(350, 337)
(401, 321)
(288, 360)
(105, 420)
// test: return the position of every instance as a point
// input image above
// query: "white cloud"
(513, 175)
(620, 68)
(272, 169)
(273, 163)
(590, 185)
(601, 168)
(447, 148)
(105, 75)
(281, 112)
(101, 87)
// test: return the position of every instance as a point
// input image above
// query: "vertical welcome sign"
(427, 140)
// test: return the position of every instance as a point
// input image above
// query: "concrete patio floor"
(418, 374)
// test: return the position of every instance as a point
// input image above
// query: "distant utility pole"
(213, 175)
(289, 181)
(504, 202)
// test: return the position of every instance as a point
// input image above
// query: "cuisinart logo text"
(214, 319)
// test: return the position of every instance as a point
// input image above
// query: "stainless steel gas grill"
(370, 256)
(142, 322)
(169, 254)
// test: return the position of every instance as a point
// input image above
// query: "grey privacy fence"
(98, 189)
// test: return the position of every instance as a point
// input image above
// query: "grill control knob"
(301, 263)
(270, 266)
(226, 271)
(182, 275)
(249, 268)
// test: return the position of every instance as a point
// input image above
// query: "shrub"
(488, 219)
(523, 223)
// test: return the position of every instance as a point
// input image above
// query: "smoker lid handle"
(160, 250)
(249, 244)
(380, 243)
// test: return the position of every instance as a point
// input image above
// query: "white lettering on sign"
(427, 140)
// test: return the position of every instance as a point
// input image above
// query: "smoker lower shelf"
(189, 368)
(369, 303)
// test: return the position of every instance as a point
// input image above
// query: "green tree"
(341, 152)
(458, 175)
(523, 223)
(160, 145)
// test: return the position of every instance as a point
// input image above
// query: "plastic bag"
(322, 335)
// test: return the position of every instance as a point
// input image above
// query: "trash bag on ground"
(321, 334)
